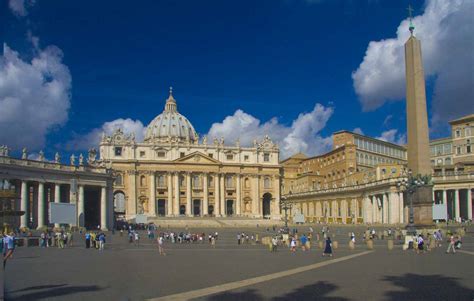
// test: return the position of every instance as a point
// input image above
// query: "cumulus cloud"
(19, 7)
(302, 136)
(393, 136)
(34, 96)
(446, 31)
(92, 139)
(358, 131)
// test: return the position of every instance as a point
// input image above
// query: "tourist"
(420, 243)
(43, 239)
(101, 241)
(88, 240)
(137, 239)
(353, 237)
(69, 238)
(238, 239)
(328, 248)
(293, 244)
(93, 241)
(9, 247)
(303, 241)
(130, 237)
(213, 242)
(160, 245)
(451, 242)
(274, 244)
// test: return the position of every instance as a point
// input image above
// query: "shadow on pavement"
(316, 291)
(428, 287)
(38, 287)
(51, 291)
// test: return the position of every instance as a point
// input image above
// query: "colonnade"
(459, 208)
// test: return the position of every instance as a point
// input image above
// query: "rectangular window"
(181, 155)
(230, 157)
(458, 133)
(266, 157)
(118, 151)
(468, 149)
(161, 154)
(210, 155)
(246, 158)
(458, 150)
(142, 154)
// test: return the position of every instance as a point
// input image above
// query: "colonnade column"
(132, 198)
(80, 207)
(366, 210)
(344, 210)
(222, 195)
(176, 194)
(457, 215)
(170, 195)
(103, 208)
(24, 204)
(375, 207)
(217, 211)
(445, 196)
(276, 209)
(238, 206)
(57, 198)
(40, 205)
(205, 188)
(469, 204)
(385, 209)
(393, 209)
(152, 202)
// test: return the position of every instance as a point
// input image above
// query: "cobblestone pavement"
(127, 272)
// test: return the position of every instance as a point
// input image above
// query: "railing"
(51, 165)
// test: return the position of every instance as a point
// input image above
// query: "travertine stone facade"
(174, 173)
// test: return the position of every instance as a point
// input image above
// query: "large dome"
(170, 125)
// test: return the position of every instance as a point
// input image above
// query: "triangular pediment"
(197, 158)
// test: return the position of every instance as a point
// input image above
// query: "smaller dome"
(170, 125)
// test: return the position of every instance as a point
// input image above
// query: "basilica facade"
(175, 173)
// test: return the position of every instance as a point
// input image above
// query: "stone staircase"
(212, 222)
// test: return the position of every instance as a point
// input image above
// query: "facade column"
(222, 191)
(469, 204)
(445, 196)
(256, 198)
(217, 194)
(401, 208)
(457, 215)
(393, 209)
(132, 198)
(205, 192)
(367, 210)
(169, 206)
(188, 194)
(80, 207)
(176, 194)
(239, 197)
(375, 209)
(385, 209)
(103, 208)
(57, 198)
(152, 202)
(41, 206)
(276, 209)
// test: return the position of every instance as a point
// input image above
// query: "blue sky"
(274, 58)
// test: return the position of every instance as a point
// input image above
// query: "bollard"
(320, 244)
(351, 245)
(370, 244)
(335, 244)
(390, 244)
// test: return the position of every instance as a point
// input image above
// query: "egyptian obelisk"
(417, 117)
(417, 129)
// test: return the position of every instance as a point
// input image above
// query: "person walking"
(303, 241)
(137, 239)
(328, 248)
(238, 239)
(420, 243)
(293, 245)
(274, 244)
(451, 243)
(9, 247)
(88, 240)
(160, 245)
(101, 241)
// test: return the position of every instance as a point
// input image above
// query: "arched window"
(247, 183)
(266, 182)
(142, 181)
(118, 180)
(119, 202)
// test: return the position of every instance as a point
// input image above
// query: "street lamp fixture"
(410, 185)
(286, 205)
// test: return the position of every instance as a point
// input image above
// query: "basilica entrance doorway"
(267, 198)
(229, 208)
(161, 207)
(91, 207)
(182, 210)
(197, 207)
(210, 209)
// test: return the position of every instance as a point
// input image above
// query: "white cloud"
(302, 136)
(393, 136)
(387, 120)
(19, 7)
(446, 31)
(92, 139)
(34, 96)
(358, 131)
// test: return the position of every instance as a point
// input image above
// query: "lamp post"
(410, 185)
(285, 205)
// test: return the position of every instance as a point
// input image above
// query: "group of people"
(95, 240)
(60, 238)
(246, 238)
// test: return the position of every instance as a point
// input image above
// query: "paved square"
(239, 272)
